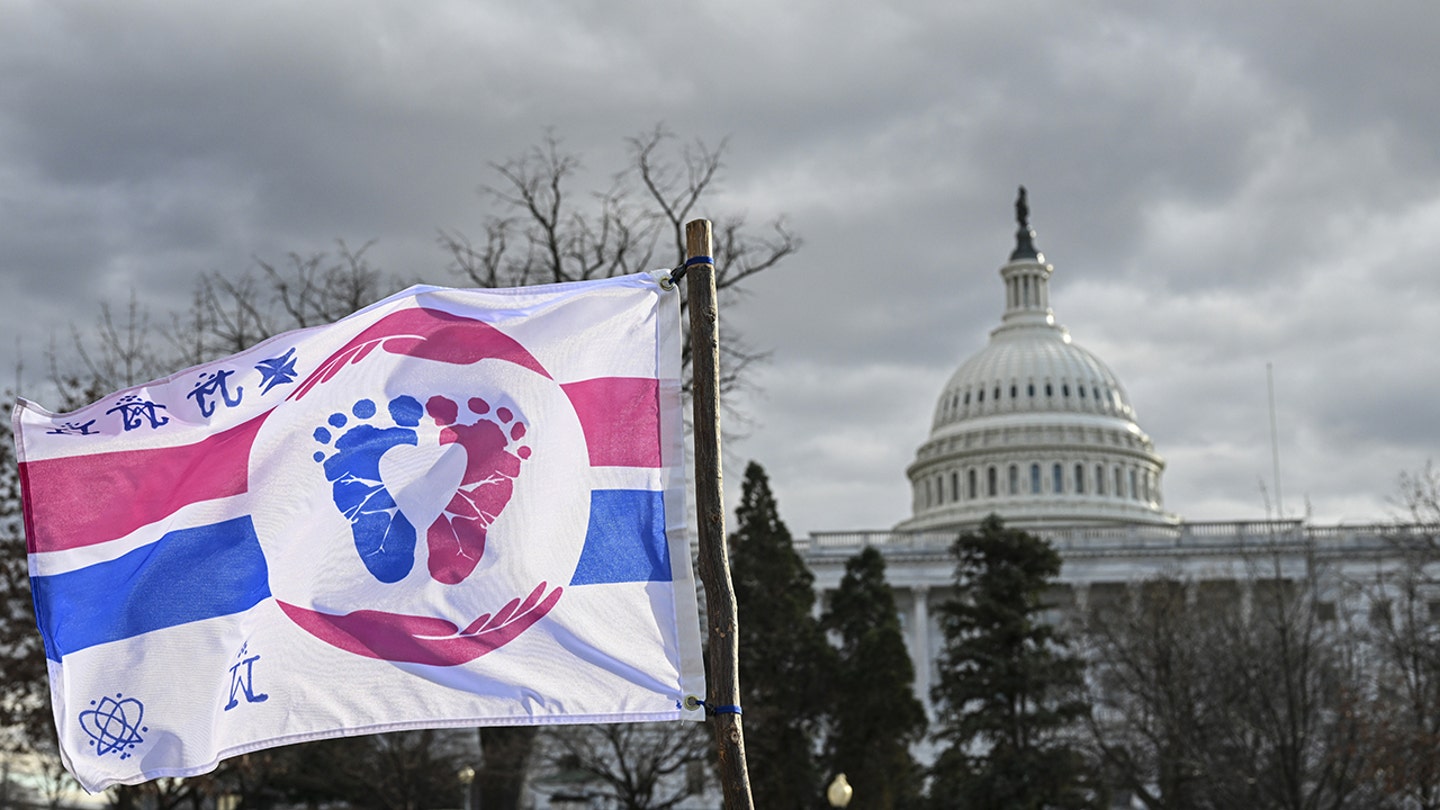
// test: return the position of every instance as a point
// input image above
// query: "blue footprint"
(383, 536)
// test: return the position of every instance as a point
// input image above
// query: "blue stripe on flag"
(185, 576)
(626, 539)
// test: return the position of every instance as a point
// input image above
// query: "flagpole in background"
(723, 653)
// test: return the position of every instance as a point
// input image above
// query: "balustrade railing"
(1197, 536)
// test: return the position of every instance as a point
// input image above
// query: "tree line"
(1162, 694)
(1287, 687)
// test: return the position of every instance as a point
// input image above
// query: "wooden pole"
(724, 647)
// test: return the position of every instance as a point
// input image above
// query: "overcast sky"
(1218, 185)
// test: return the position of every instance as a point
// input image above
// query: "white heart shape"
(422, 480)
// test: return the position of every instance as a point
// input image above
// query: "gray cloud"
(1219, 186)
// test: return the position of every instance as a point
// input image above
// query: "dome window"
(970, 486)
(1079, 479)
(1134, 490)
(1049, 390)
(1058, 484)
(990, 483)
(997, 393)
(1030, 390)
(954, 486)
(1034, 479)
(1099, 480)
(1081, 390)
(981, 396)
(1119, 483)
(967, 397)
(1014, 480)
(1096, 393)
(1014, 392)
(1065, 390)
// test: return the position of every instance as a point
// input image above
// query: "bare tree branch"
(650, 766)
(545, 232)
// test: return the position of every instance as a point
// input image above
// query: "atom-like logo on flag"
(114, 725)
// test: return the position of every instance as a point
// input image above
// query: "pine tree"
(1009, 695)
(875, 714)
(784, 657)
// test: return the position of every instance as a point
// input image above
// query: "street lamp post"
(467, 779)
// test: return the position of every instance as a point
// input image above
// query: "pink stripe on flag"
(84, 500)
(621, 420)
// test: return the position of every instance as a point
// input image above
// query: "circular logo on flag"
(435, 499)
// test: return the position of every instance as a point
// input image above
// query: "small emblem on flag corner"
(114, 725)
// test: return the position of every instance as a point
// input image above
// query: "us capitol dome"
(1040, 431)
(1034, 427)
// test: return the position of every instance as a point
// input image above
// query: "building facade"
(1040, 431)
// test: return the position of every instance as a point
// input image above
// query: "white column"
(920, 642)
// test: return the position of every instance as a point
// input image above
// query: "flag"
(452, 508)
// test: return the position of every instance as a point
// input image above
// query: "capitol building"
(1038, 430)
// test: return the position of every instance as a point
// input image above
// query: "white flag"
(453, 508)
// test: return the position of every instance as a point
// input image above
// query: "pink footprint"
(456, 539)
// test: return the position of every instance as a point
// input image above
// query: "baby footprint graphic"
(384, 537)
(456, 540)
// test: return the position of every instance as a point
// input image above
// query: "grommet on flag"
(692, 703)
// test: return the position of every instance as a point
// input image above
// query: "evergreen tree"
(875, 714)
(1009, 692)
(784, 657)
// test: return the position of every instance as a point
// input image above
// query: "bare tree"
(1151, 720)
(545, 233)
(229, 315)
(1232, 702)
(120, 349)
(1403, 719)
(165, 793)
(650, 766)
(1288, 697)
(1419, 496)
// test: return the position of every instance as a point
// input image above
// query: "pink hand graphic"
(424, 639)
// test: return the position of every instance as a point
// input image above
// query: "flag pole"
(723, 651)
